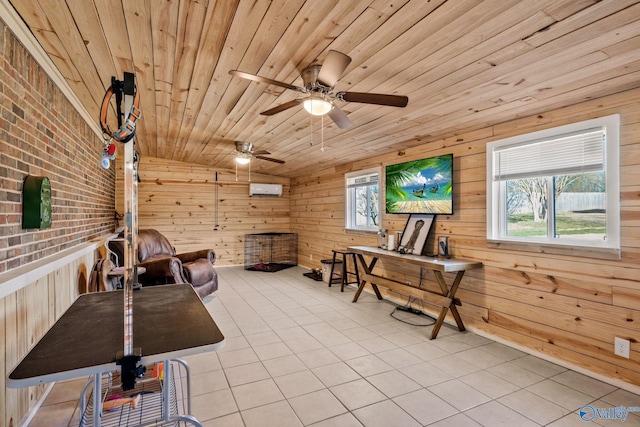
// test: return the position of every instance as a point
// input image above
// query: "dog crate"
(270, 251)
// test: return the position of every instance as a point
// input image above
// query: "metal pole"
(130, 223)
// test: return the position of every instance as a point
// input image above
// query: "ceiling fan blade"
(270, 159)
(259, 152)
(340, 118)
(374, 98)
(261, 79)
(282, 107)
(334, 65)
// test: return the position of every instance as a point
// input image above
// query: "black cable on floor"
(408, 309)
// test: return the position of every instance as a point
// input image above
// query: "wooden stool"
(345, 269)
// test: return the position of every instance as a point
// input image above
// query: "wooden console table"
(446, 299)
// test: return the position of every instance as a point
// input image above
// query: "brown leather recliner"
(164, 266)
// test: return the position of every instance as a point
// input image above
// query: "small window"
(363, 200)
(559, 186)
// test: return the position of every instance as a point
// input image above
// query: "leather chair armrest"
(170, 267)
(207, 254)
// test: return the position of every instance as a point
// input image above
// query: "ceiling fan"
(319, 81)
(244, 153)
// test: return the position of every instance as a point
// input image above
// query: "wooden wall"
(25, 316)
(185, 203)
(565, 307)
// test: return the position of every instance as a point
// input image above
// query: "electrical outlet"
(621, 347)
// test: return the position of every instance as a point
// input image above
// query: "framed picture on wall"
(415, 233)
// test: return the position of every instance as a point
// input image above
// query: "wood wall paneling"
(27, 315)
(179, 200)
(568, 307)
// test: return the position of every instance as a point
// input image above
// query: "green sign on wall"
(36, 202)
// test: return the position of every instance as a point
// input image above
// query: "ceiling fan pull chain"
(311, 127)
(322, 133)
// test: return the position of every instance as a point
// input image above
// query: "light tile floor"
(299, 353)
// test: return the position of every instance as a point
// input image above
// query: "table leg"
(376, 290)
(344, 277)
(166, 387)
(450, 293)
(439, 322)
(367, 269)
(97, 399)
(166, 397)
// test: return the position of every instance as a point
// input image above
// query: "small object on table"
(392, 244)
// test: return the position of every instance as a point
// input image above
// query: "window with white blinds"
(576, 152)
(362, 180)
(558, 186)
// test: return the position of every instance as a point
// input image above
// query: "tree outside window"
(577, 210)
(363, 200)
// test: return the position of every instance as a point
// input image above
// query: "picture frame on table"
(415, 234)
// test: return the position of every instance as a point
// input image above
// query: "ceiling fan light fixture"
(243, 159)
(317, 106)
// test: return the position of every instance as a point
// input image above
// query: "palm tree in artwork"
(399, 175)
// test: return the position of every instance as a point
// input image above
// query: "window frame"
(350, 221)
(496, 189)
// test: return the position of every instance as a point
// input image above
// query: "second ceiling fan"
(319, 81)
(244, 152)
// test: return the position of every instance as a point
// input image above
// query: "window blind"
(362, 180)
(566, 154)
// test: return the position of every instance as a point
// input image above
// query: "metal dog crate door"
(36, 202)
(270, 251)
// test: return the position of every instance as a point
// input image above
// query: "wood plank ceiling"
(463, 63)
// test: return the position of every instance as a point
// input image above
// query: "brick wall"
(42, 134)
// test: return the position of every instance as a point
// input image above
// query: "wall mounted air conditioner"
(265, 189)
